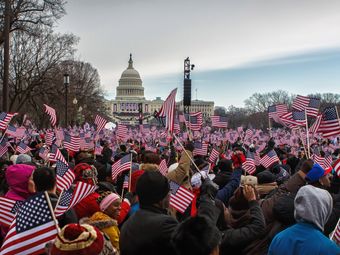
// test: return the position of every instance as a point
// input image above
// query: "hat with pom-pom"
(78, 239)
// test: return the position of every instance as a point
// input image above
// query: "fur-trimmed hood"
(149, 167)
(99, 220)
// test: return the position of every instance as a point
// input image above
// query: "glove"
(210, 188)
(238, 159)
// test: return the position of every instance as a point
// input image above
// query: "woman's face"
(114, 209)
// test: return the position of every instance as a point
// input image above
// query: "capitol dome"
(130, 83)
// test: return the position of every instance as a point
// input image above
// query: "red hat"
(78, 239)
(134, 178)
(85, 173)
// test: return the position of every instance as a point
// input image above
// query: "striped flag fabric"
(125, 163)
(249, 164)
(51, 112)
(288, 120)
(98, 149)
(122, 131)
(15, 132)
(310, 104)
(100, 122)
(269, 159)
(43, 153)
(336, 234)
(64, 174)
(71, 143)
(219, 121)
(3, 146)
(277, 110)
(163, 168)
(336, 167)
(8, 209)
(300, 103)
(299, 117)
(194, 121)
(49, 136)
(52, 153)
(180, 197)
(23, 148)
(32, 228)
(314, 128)
(213, 155)
(200, 148)
(167, 111)
(330, 123)
(5, 119)
(126, 182)
(72, 196)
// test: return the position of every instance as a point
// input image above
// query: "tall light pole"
(187, 85)
(66, 83)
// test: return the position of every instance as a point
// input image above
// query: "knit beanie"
(152, 187)
(134, 178)
(265, 177)
(315, 173)
(78, 239)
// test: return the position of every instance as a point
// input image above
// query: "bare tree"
(30, 15)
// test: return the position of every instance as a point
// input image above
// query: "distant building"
(130, 100)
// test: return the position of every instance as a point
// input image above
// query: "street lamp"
(66, 83)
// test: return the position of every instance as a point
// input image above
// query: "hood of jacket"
(313, 205)
(149, 167)
(17, 177)
(99, 220)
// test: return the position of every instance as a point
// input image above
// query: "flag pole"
(307, 134)
(130, 175)
(123, 192)
(269, 126)
(192, 161)
(303, 143)
(52, 211)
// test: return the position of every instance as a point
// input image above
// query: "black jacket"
(222, 178)
(148, 231)
(234, 241)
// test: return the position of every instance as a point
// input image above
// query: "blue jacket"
(227, 191)
(302, 239)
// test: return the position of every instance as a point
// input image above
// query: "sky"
(238, 47)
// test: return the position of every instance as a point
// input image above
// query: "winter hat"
(238, 201)
(85, 173)
(134, 178)
(225, 165)
(151, 187)
(106, 199)
(78, 239)
(13, 158)
(265, 177)
(196, 179)
(23, 158)
(315, 173)
(17, 177)
(248, 180)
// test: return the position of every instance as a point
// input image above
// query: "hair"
(151, 158)
(196, 236)
(44, 179)
(307, 166)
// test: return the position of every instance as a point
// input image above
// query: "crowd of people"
(290, 207)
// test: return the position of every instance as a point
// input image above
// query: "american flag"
(163, 168)
(219, 121)
(200, 148)
(249, 164)
(65, 175)
(287, 120)
(32, 228)
(49, 137)
(53, 152)
(98, 149)
(312, 108)
(314, 128)
(180, 197)
(23, 148)
(213, 155)
(125, 163)
(71, 142)
(100, 122)
(5, 119)
(277, 110)
(3, 146)
(8, 209)
(177, 127)
(122, 131)
(269, 159)
(300, 103)
(126, 182)
(336, 167)
(299, 117)
(51, 112)
(70, 197)
(330, 123)
(43, 153)
(194, 121)
(15, 132)
(167, 111)
(249, 133)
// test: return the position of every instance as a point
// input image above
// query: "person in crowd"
(313, 207)
(225, 169)
(45, 180)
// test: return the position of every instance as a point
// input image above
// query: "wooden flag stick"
(307, 134)
(52, 211)
(130, 175)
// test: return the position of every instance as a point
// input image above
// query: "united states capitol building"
(130, 101)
